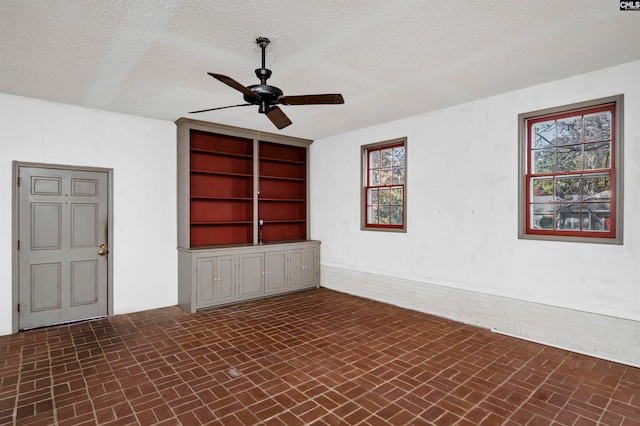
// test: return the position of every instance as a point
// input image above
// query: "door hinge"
(18, 244)
(18, 308)
(18, 181)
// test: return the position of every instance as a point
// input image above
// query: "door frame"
(15, 231)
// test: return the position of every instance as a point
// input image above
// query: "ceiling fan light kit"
(268, 97)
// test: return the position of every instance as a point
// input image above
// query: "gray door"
(63, 253)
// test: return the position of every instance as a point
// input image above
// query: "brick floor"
(313, 358)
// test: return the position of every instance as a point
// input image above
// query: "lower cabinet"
(216, 276)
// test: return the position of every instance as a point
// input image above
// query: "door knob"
(103, 250)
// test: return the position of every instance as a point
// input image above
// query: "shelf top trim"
(207, 126)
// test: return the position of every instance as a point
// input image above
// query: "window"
(384, 191)
(571, 173)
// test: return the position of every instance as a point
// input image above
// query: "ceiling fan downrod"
(263, 73)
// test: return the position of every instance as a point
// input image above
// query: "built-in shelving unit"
(231, 180)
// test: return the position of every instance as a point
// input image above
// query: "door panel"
(63, 217)
(45, 286)
(46, 224)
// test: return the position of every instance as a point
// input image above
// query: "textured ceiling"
(389, 59)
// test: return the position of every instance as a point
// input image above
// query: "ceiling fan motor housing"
(268, 95)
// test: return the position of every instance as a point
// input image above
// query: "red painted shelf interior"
(282, 203)
(222, 194)
(221, 189)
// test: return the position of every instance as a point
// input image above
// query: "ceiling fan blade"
(213, 109)
(234, 84)
(311, 99)
(278, 118)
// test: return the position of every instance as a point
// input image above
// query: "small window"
(384, 190)
(571, 173)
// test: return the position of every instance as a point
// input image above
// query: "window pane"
(542, 216)
(384, 214)
(385, 176)
(597, 127)
(544, 134)
(398, 156)
(597, 155)
(396, 215)
(595, 217)
(597, 187)
(398, 175)
(374, 159)
(372, 214)
(387, 157)
(569, 130)
(568, 217)
(385, 196)
(374, 177)
(568, 189)
(542, 190)
(570, 158)
(396, 196)
(544, 160)
(373, 196)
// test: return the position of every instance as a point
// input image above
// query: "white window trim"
(618, 100)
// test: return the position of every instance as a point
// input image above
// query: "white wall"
(462, 220)
(142, 153)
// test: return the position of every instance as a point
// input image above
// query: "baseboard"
(601, 336)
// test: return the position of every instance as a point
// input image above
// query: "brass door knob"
(103, 250)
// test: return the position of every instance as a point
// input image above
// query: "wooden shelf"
(271, 221)
(283, 161)
(214, 172)
(283, 178)
(282, 200)
(234, 222)
(221, 153)
(214, 198)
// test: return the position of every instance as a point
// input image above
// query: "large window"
(571, 173)
(384, 194)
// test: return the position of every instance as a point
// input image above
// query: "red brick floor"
(318, 357)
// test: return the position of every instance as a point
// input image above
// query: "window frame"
(615, 235)
(364, 180)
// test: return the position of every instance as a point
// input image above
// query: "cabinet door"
(304, 268)
(226, 284)
(215, 280)
(310, 267)
(251, 274)
(297, 260)
(206, 279)
(275, 277)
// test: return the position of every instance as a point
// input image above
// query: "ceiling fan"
(268, 97)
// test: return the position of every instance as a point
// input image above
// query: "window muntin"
(384, 187)
(571, 173)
